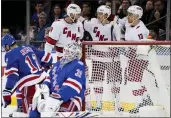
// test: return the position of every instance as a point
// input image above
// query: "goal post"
(124, 76)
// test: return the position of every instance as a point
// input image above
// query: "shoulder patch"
(78, 73)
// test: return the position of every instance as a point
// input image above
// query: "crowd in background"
(46, 12)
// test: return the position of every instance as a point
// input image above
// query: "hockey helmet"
(7, 39)
(73, 9)
(136, 10)
(72, 51)
(105, 10)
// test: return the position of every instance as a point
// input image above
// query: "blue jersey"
(23, 67)
(68, 82)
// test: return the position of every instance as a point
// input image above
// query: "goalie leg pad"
(52, 104)
(41, 94)
(41, 104)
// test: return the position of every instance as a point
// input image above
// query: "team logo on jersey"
(78, 73)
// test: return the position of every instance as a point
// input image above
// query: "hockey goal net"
(127, 76)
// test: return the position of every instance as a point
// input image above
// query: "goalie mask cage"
(125, 77)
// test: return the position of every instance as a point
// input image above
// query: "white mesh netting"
(124, 78)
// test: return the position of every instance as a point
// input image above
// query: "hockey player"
(134, 28)
(23, 70)
(132, 83)
(45, 60)
(65, 31)
(101, 29)
(66, 85)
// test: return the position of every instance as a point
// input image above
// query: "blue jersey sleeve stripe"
(73, 84)
(11, 71)
(11, 74)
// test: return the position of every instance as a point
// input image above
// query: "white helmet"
(73, 9)
(72, 51)
(104, 9)
(136, 10)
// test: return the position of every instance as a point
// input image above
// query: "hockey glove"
(7, 97)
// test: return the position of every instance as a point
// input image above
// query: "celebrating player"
(66, 85)
(134, 28)
(101, 29)
(23, 70)
(65, 31)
